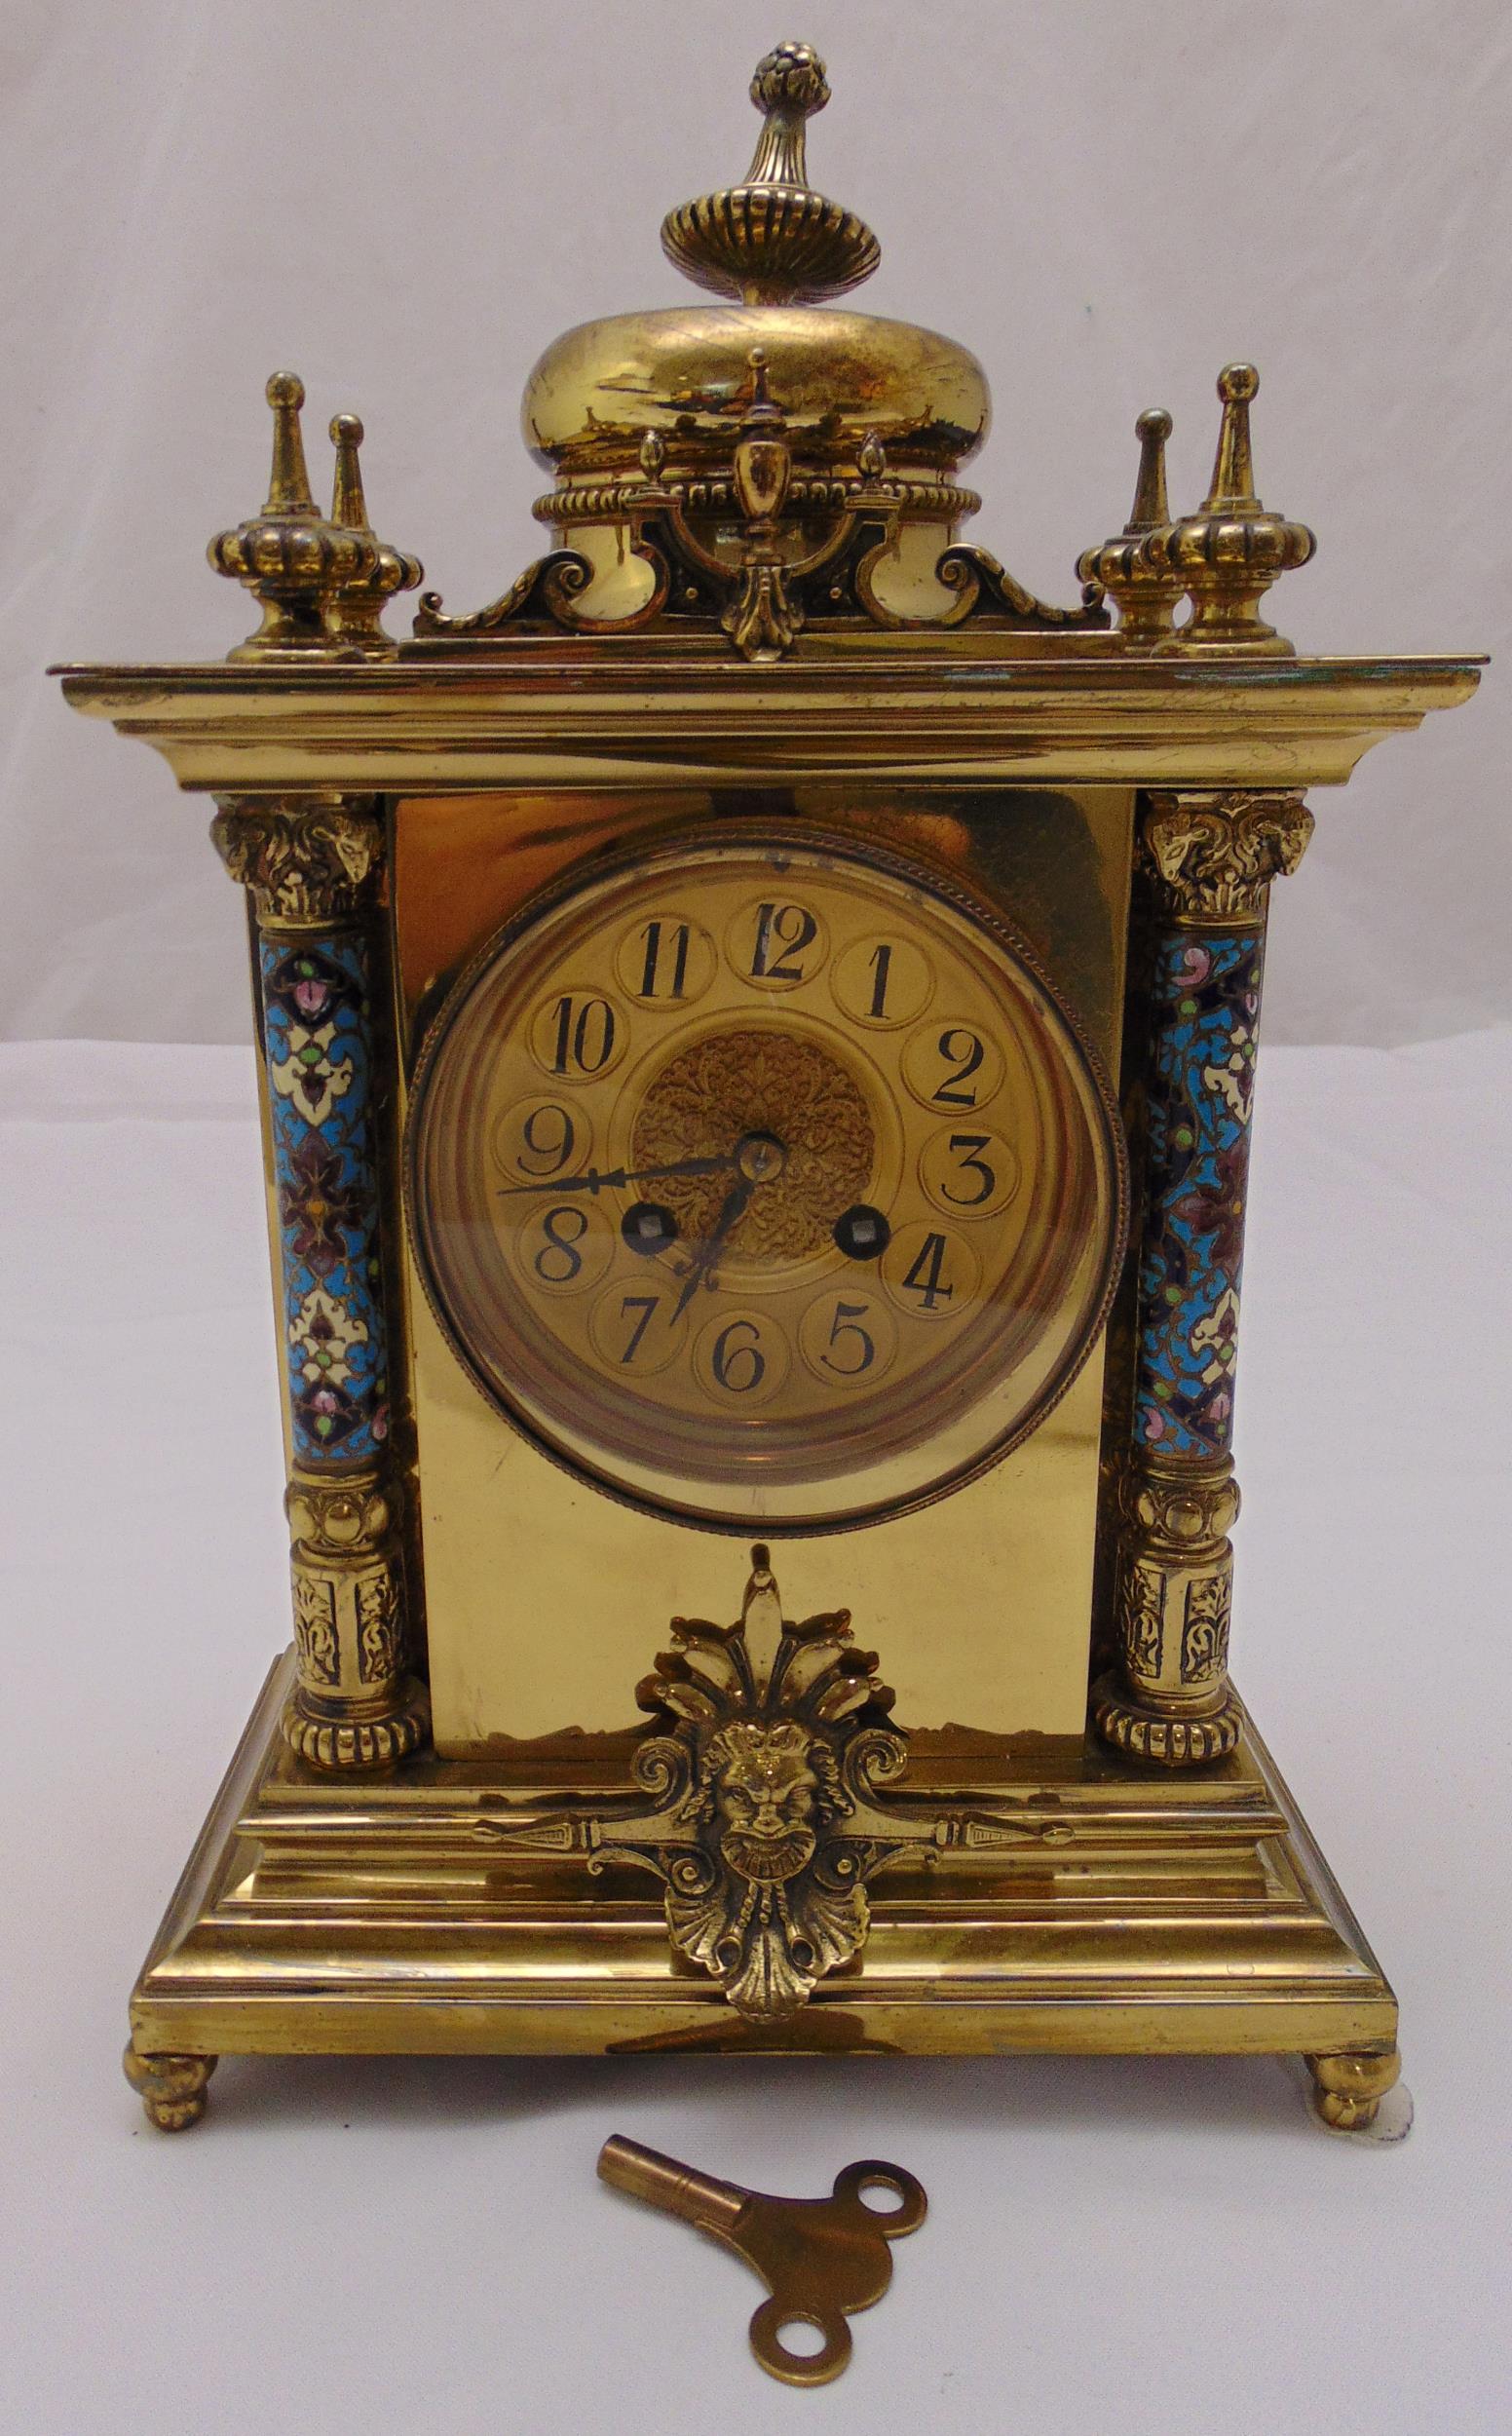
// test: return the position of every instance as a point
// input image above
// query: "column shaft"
(1211, 858)
(313, 865)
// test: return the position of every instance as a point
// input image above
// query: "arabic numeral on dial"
(550, 1137)
(585, 1039)
(738, 1362)
(666, 959)
(965, 1149)
(847, 1336)
(925, 1275)
(963, 1052)
(783, 935)
(879, 961)
(558, 1260)
(648, 1305)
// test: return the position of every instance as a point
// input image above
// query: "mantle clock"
(756, 1031)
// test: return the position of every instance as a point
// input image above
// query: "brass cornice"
(585, 714)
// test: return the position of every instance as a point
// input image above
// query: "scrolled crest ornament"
(776, 1739)
(1216, 854)
(306, 858)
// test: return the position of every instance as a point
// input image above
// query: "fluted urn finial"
(1145, 595)
(772, 240)
(291, 558)
(1230, 553)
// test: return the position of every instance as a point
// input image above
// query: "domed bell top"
(649, 409)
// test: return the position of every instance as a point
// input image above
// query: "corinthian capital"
(307, 858)
(1216, 854)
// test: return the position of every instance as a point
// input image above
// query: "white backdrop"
(406, 202)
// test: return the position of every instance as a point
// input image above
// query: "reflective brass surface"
(1179, 1914)
(820, 2259)
(504, 1527)
(683, 372)
(623, 717)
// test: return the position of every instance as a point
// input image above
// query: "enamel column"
(313, 864)
(1211, 858)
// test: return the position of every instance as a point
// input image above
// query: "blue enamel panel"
(1203, 1018)
(316, 1019)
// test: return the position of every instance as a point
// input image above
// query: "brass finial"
(348, 505)
(356, 611)
(772, 239)
(291, 558)
(1230, 553)
(289, 486)
(1145, 595)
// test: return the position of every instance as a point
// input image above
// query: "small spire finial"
(355, 616)
(1234, 469)
(289, 486)
(1152, 430)
(348, 505)
(1145, 595)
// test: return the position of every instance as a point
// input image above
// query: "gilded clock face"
(762, 1180)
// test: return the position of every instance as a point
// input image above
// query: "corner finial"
(348, 505)
(1152, 430)
(1144, 596)
(356, 609)
(291, 560)
(289, 486)
(772, 240)
(1230, 554)
(1234, 468)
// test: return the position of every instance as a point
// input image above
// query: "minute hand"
(614, 1179)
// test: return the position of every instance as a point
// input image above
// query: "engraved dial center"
(790, 1113)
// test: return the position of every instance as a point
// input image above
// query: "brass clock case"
(763, 1179)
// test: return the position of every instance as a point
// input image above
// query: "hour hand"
(730, 1212)
(614, 1179)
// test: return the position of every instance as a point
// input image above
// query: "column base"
(1147, 1734)
(334, 1742)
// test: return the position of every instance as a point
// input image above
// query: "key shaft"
(701, 2199)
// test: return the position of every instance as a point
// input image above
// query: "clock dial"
(762, 1179)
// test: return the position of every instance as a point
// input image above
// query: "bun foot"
(172, 2087)
(1352, 2087)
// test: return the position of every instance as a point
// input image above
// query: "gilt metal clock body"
(757, 1034)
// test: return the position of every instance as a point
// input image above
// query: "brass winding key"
(820, 2258)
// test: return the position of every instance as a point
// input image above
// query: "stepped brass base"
(1186, 1914)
